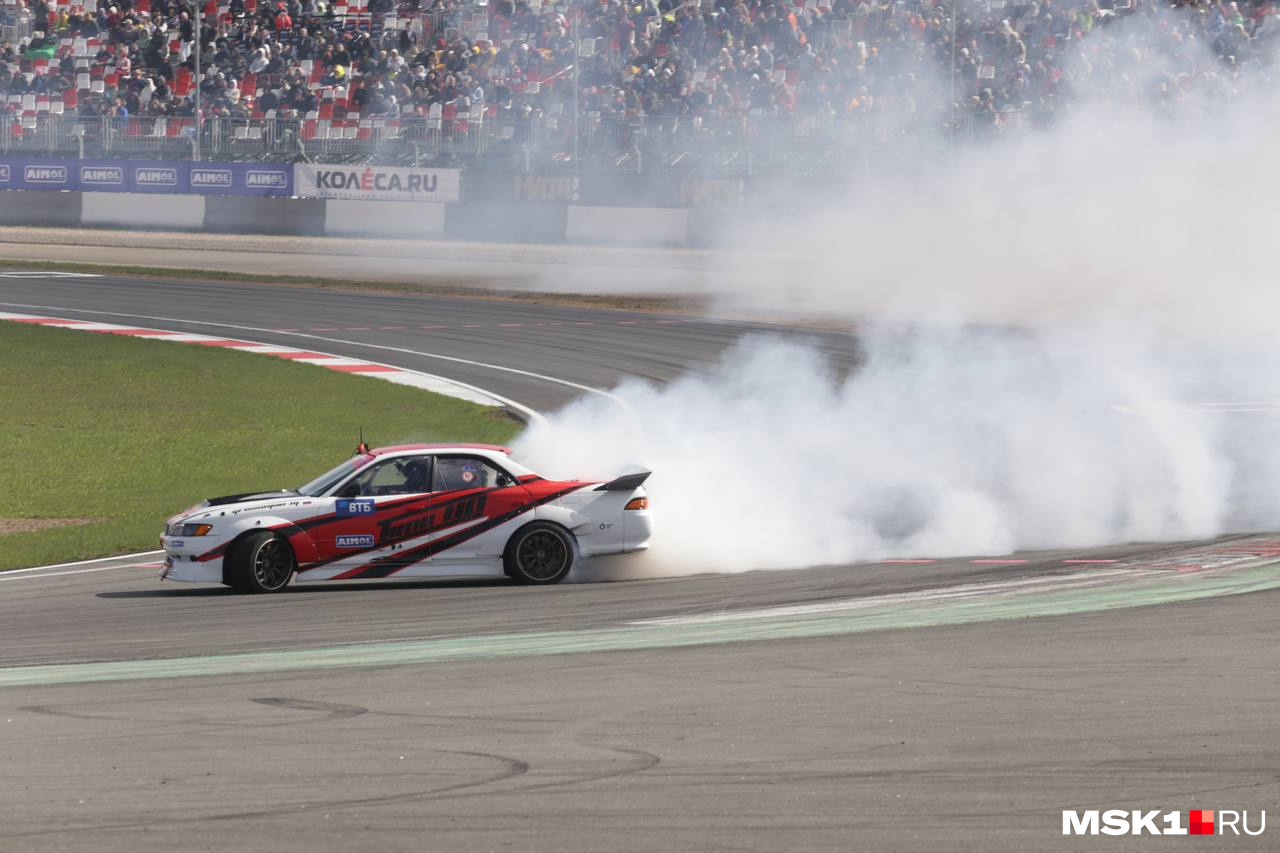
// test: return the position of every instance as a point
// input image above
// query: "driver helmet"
(417, 475)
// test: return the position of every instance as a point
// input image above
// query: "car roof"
(407, 448)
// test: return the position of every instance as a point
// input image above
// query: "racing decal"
(250, 510)
(355, 506)
(307, 524)
(435, 517)
(416, 520)
(213, 553)
(354, 540)
(402, 519)
(387, 566)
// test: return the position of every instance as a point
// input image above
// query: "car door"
(379, 513)
(470, 497)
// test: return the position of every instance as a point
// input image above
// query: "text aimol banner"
(378, 183)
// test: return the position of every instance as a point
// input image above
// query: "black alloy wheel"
(260, 562)
(540, 553)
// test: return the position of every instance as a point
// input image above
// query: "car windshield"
(329, 479)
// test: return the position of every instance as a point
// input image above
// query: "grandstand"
(720, 85)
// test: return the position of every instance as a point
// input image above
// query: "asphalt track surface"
(486, 716)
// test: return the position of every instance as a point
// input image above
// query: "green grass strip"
(129, 431)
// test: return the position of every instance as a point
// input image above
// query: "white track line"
(392, 373)
(7, 572)
(4, 576)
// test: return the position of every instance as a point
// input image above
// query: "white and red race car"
(410, 511)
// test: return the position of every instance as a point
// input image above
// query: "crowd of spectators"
(984, 64)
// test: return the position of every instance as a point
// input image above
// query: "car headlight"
(189, 529)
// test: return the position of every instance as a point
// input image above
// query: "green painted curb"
(1002, 606)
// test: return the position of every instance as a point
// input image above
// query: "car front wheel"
(539, 553)
(260, 562)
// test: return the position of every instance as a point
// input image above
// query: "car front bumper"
(182, 559)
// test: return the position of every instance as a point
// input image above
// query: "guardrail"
(173, 137)
(738, 145)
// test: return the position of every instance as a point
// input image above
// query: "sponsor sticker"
(176, 543)
(359, 540)
(355, 506)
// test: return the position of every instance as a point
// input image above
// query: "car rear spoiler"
(625, 483)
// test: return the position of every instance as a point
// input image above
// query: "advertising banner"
(242, 179)
(38, 175)
(147, 176)
(376, 183)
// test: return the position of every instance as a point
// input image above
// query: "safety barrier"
(395, 183)
(394, 201)
(742, 144)
(492, 221)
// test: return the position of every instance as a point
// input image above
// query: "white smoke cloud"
(972, 442)
(1085, 301)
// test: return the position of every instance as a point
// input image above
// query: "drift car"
(411, 511)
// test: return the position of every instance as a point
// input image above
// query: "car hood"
(203, 509)
(245, 497)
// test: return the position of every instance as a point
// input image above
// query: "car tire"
(539, 553)
(260, 562)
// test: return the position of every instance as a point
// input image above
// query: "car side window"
(467, 472)
(395, 477)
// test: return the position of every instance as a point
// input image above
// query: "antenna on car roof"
(361, 447)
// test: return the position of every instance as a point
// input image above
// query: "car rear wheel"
(260, 562)
(539, 553)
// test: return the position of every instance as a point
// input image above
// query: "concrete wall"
(239, 214)
(384, 218)
(527, 222)
(500, 222)
(139, 210)
(40, 208)
(642, 226)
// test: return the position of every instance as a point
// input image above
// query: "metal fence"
(739, 145)
(16, 23)
(234, 139)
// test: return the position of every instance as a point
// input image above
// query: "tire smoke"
(973, 442)
(1088, 359)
